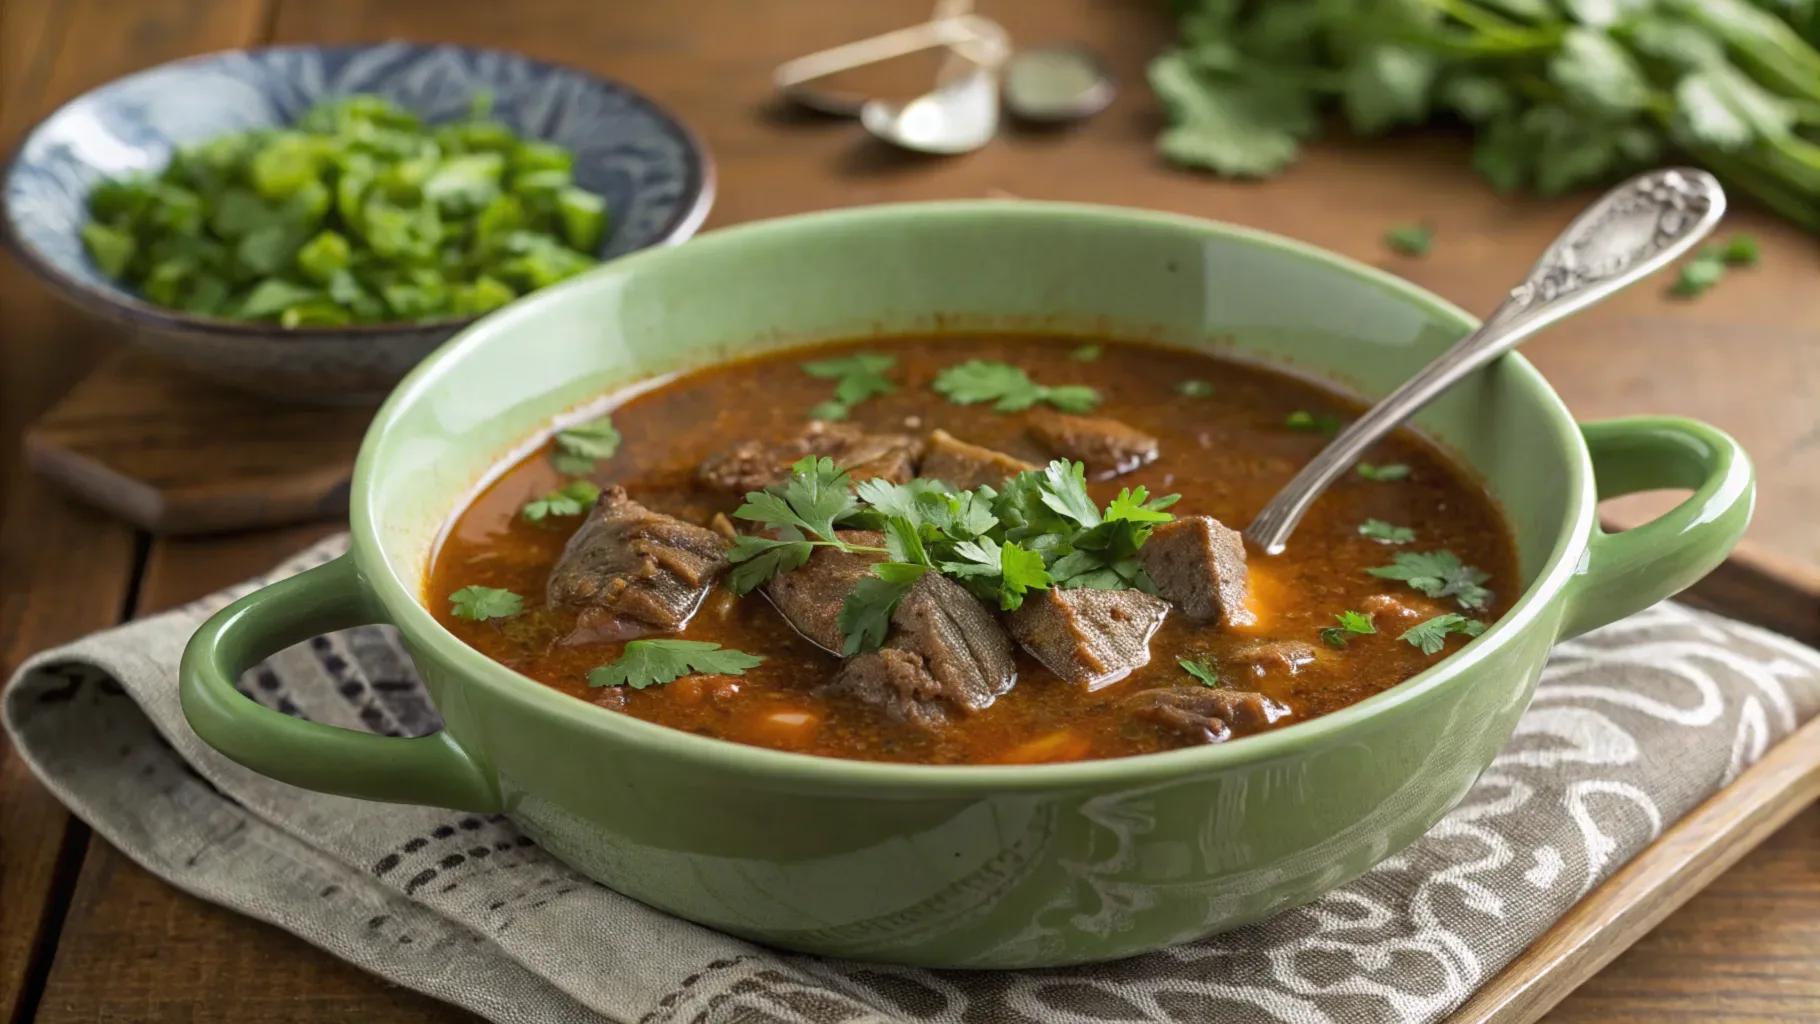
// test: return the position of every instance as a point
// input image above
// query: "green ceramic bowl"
(961, 866)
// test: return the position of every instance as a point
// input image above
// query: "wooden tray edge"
(1670, 871)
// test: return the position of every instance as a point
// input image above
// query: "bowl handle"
(432, 769)
(1626, 572)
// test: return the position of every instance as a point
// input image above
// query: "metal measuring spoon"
(1631, 232)
(960, 115)
(961, 34)
(1056, 84)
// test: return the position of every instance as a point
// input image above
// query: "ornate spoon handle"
(1631, 232)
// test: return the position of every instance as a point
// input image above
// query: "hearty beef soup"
(969, 551)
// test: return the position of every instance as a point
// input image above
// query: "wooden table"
(87, 936)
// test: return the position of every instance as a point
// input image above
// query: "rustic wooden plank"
(64, 571)
(136, 949)
(1683, 861)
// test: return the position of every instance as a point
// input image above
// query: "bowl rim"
(400, 598)
(127, 307)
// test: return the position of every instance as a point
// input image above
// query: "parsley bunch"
(1043, 530)
(1560, 95)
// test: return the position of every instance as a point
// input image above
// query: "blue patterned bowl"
(656, 176)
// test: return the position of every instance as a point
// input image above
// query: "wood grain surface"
(87, 936)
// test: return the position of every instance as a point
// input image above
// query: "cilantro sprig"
(1203, 670)
(1008, 388)
(655, 662)
(1438, 574)
(857, 377)
(482, 603)
(1386, 533)
(1351, 624)
(579, 448)
(1042, 530)
(1431, 636)
(571, 499)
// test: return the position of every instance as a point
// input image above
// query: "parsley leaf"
(1194, 388)
(857, 377)
(1085, 353)
(1409, 239)
(1325, 423)
(571, 499)
(816, 495)
(865, 617)
(1438, 574)
(1385, 533)
(1350, 624)
(482, 603)
(1383, 474)
(1136, 505)
(1064, 489)
(1740, 251)
(1201, 669)
(1431, 636)
(1697, 276)
(1008, 387)
(655, 662)
(757, 559)
(898, 499)
(905, 542)
(578, 448)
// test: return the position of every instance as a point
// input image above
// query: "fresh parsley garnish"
(1085, 353)
(1438, 574)
(1350, 624)
(1740, 251)
(571, 499)
(1194, 388)
(1324, 423)
(1043, 530)
(1201, 669)
(857, 377)
(1385, 533)
(1409, 239)
(655, 662)
(1698, 275)
(482, 603)
(580, 447)
(1383, 474)
(1431, 636)
(1008, 388)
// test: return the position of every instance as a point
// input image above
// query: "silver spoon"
(1631, 232)
(960, 115)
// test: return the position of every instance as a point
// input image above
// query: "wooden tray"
(1669, 872)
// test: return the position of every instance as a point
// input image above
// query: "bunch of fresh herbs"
(1560, 93)
(1041, 530)
(359, 213)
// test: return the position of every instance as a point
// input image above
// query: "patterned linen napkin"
(1631, 727)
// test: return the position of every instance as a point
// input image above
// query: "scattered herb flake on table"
(482, 603)
(358, 213)
(655, 662)
(1409, 239)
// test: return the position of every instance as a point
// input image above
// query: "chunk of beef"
(811, 597)
(967, 466)
(1204, 714)
(946, 655)
(1106, 447)
(631, 571)
(1092, 637)
(1198, 565)
(1274, 656)
(756, 465)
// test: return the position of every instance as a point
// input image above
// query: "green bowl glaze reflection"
(989, 866)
